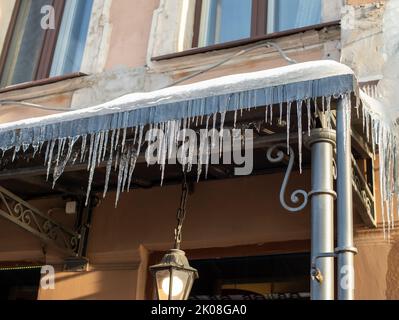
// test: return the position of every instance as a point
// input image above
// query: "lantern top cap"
(176, 259)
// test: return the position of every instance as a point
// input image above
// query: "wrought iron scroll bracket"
(275, 155)
(37, 223)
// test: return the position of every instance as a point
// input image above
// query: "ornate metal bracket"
(39, 224)
(275, 155)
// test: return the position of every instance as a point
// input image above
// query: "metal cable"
(181, 213)
(266, 44)
(30, 105)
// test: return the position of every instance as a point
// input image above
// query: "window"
(219, 21)
(271, 277)
(32, 52)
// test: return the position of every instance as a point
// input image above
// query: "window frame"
(258, 19)
(259, 22)
(47, 47)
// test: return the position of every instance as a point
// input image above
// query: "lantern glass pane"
(180, 281)
(161, 278)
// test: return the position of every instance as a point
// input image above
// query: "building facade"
(69, 55)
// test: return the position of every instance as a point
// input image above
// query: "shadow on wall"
(392, 278)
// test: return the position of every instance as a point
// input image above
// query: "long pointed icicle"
(288, 126)
(50, 157)
(299, 117)
(83, 148)
(309, 111)
(92, 165)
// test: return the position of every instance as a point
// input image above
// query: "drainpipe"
(345, 251)
(322, 143)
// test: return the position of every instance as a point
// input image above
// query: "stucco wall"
(130, 32)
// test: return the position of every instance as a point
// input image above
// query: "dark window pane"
(72, 37)
(225, 20)
(26, 44)
(291, 14)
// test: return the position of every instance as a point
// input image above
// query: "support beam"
(322, 143)
(345, 250)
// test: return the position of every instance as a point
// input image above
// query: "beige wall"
(130, 32)
(219, 215)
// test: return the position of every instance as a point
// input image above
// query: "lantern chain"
(181, 213)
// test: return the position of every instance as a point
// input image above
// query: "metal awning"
(249, 90)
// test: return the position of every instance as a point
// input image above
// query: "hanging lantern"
(174, 277)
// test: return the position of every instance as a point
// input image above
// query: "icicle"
(108, 172)
(61, 144)
(207, 145)
(47, 152)
(100, 147)
(63, 141)
(357, 106)
(118, 188)
(316, 108)
(36, 147)
(41, 146)
(122, 175)
(92, 164)
(200, 156)
(271, 114)
(60, 167)
(221, 133)
(266, 114)
(299, 116)
(124, 139)
(118, 153)
(215, 115)
(328, 100)
(133, 160)
(235, 119)
(83, 148)
(170, 137)
(135, 135)
(25, 146)
(90, 151)
(164, 151)
(161, 142)
(105, 145)
(280, 120)
(374, 134)
(16, 150)
(50, 158)
(126, 170)
(183, 143)
(368, 117)
(308, 106)
(117, 138)
(288, 126)
(111, 150)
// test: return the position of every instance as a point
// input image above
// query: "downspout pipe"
(345, 251)
(322, 144)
